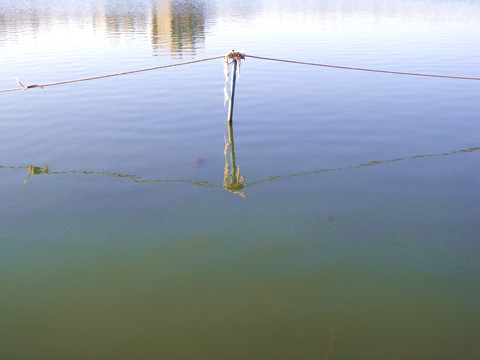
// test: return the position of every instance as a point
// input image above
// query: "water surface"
(336, 219)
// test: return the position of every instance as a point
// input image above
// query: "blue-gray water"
(351, 231)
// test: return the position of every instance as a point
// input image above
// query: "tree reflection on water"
(173, 26)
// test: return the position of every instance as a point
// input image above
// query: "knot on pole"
(235, 55)
(232, 56)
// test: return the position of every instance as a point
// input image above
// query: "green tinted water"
(352, 228)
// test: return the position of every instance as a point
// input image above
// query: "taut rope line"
(363, 69)
(41, 86)
(239, 56)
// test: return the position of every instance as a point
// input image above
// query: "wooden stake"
(232, 93)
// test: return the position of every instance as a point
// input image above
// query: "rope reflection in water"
(233, 180)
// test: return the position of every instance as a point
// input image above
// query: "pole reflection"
(233, 181)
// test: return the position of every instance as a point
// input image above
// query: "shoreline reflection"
(172, 26)
(179, 25)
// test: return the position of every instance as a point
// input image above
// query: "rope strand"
(108, 75)
(363, 69)
(41, 86)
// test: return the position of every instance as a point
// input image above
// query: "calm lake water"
(339, 218)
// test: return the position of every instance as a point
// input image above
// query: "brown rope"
(363, 69)
(41, 86)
